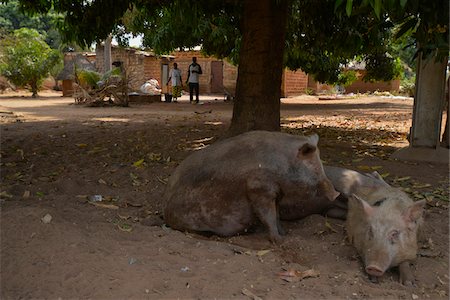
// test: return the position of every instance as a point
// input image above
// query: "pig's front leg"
(406, 275)
(262, 194)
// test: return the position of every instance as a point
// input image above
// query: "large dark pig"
(233, 184)
(382, 221)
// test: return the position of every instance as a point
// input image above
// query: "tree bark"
(257, 102)
(34, 89)
(428, 103)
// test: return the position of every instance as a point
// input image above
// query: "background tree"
(428, 22)
(12, 18)
(26, 59)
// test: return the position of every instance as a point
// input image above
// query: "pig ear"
(306, 149)
(414, 212)
(359, 202)
(314, 139)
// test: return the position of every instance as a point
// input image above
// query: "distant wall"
(361, 86)
(141, 66)
(184, 59)
(293, 83)
(230, 73)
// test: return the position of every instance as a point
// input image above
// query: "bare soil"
(58, 243)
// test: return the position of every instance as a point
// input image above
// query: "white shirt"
(175, 75)
(193, 77)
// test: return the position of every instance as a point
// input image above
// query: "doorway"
(217, 77)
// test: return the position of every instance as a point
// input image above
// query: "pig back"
(232, 158)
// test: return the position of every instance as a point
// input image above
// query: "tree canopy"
(26, 59)
(318, 36)
(12, 18)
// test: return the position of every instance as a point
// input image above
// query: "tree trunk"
(34, 89)
(107, 54)
(428, 102)
(257, 102)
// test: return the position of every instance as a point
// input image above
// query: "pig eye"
(393, 236)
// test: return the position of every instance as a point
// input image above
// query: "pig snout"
(374, 270)
(377, 262)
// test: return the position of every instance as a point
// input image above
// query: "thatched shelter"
(80, 61)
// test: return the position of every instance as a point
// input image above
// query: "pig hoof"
(276, 239)
(409, 283)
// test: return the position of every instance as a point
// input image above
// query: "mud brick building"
(139, 65)
(219, 76)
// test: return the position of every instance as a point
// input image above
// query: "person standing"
(177, 83)
(192, 78)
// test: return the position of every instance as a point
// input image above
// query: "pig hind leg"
(263, 196)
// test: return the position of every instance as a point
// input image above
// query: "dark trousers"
(192, 87)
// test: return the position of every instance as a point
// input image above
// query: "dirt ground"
(57, 242)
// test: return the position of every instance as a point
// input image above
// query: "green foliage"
(26, 59)
(187, 24)
(427, 21)
(382, 67)
(88, 79)
(12, 18)
(347, 77)
(408, 86)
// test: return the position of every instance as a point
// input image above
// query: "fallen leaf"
(364, 168)
(46, 219)
(295, 275)
(328, 225)
(262, 252)
(20, 151)
(401, 179)
(5, 194)
(109, 206)
(133, 204)
(101, 181)
(138, 163)
(123, 217)
(81, 145)
(421, 186)
(26, 194)
(125, 227)
(161, 180)
(249, 294)
(155, 156)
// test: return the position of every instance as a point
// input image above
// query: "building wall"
(140, 66)
(67, 87)
(360, 86)
(184, 59)
(230, 73)
(293, 83)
